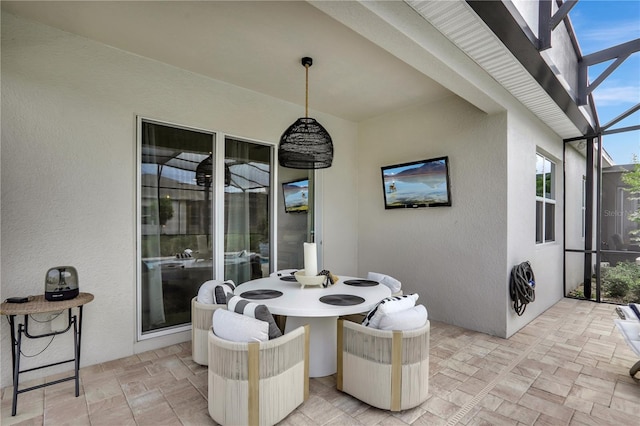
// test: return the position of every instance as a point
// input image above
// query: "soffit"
(462, 26)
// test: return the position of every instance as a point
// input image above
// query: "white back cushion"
(239, 328)
(205, 292)
(254, 310)
(408, 319)
(283, 273)
(393, 284)
(215, 292)
(387, 306)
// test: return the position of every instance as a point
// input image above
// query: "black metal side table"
(39, 305)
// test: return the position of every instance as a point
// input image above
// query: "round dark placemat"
(341, 299)
(361, 283)
(288, 278)
(261, 294)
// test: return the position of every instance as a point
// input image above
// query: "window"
(545, 199)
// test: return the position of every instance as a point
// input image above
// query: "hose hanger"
(522, 287)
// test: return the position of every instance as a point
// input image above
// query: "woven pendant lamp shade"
(306, 144)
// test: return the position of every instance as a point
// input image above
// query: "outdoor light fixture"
(306, 144)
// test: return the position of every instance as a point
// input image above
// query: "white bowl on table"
(310, 280)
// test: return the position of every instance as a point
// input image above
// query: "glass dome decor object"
(61, 283)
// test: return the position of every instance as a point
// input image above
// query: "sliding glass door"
(175, 190)
(205, 212)
(247, 219)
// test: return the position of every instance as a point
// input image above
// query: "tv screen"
(296, 196)
(417, 184)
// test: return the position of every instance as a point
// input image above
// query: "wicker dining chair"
(283, 273)
(201, 319)
(386, 369)
(258, 383)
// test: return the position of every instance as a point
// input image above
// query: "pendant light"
(306, 144)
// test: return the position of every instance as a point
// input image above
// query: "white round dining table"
(313, 305)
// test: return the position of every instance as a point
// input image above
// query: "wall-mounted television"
(416, 184)
(296, 196)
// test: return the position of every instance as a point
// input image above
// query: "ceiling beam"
(620, 53)
(547, 23)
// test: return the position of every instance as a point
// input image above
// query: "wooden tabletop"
(38, 304)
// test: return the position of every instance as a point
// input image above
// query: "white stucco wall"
(454, 257)
(527, 135)
(459, 258)
(529, 10)
(69, 109)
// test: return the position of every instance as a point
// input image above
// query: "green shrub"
(621, 281)
(634, 291)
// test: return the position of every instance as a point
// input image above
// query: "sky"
(599, 25)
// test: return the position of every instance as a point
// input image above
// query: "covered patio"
(394, 82)
(570, 366)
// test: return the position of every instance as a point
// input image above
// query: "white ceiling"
(255, 45)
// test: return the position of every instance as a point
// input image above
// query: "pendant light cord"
(306, 92)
